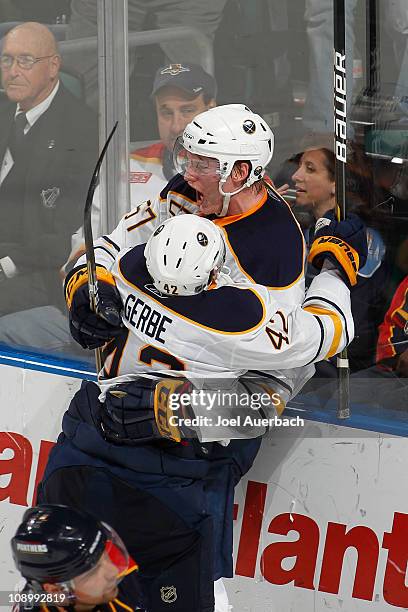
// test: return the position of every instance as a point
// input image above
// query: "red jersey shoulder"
(151, 153)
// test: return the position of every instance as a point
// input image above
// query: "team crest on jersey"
(174, 69)
(139, 177)
(49, 196)
(168, 594)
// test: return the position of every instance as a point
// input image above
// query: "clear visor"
(107, 573)
(191, 163)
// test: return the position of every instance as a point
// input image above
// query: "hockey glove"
(344, 243)
(89, 329)
(140, 411)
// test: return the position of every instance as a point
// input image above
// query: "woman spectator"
(315, 189)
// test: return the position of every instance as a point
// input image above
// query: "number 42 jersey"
(221, 332)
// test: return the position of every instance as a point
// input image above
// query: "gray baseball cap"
(191, 78)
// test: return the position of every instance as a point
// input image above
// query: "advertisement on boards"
(321, 520)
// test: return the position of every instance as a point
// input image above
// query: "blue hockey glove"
(89, 329)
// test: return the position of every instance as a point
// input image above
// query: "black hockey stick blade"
(111, 315)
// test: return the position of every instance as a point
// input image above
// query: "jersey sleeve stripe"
(101, 248)
(272, 392)
(109, 241)
(320, 343)
(313, 298)
(271, 377)
(123, 605)
(338, 328)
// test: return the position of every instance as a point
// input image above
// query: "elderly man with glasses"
(48, 147)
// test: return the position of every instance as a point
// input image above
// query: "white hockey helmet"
(228, 133)
(182, 254)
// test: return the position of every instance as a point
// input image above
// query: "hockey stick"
(340, 148)
(89, 246)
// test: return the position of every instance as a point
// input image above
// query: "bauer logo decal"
(340, 106)
(168, 594)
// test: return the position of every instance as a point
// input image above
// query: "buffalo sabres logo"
(202, 239)
(249, 126)
(49, 196)
(174, 69)
(168, 594)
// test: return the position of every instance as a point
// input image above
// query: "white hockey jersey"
(223, 333)
(265, 245)
(146, 175)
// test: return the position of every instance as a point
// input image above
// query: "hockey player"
(171, 502)
(208, 333)
(222, 177)
(70, 560)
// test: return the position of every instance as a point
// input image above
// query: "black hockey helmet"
(56, 543)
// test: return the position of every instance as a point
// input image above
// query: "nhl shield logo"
(168, 594)
(174, 69)
(49, 196)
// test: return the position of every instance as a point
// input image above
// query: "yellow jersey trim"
(123, 605)
(147, 160)
(338, 327)
(222, 222)
(218, 331)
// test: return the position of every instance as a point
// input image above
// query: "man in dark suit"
(48, 148)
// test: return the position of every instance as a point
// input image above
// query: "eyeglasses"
(23, 61)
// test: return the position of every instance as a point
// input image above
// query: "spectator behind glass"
(392, 347)
(385, 385)
(180, 92)
(315, 188)
(48, 147)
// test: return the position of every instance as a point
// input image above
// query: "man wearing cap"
(180, 92)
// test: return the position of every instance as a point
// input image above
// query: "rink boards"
(321, 519)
